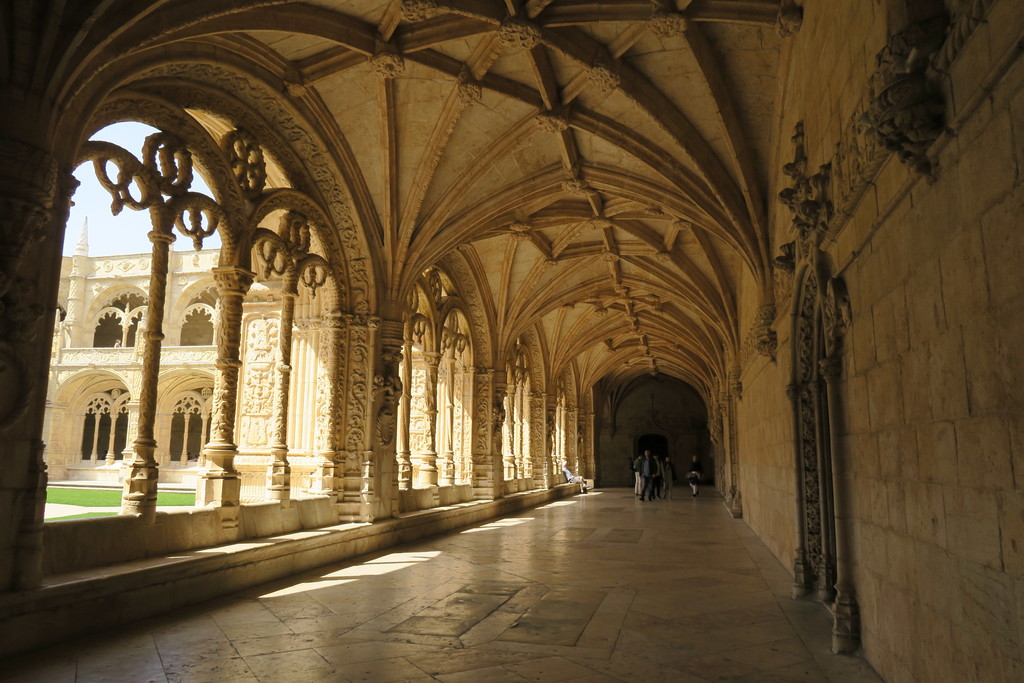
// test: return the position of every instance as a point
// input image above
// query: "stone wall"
(931, 432)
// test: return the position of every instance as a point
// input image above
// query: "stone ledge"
(73, 603)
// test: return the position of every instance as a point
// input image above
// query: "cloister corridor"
(596, 587)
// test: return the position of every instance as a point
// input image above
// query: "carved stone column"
(801, 574)
(508, 435)
(446, 475)
(845, 612)
(140, 484)
(34, 192)
(732, 398)
(387, 390)
(428, 467)
(498, 428)
(279, 473)
(324, 480)
(132, 408)
(219, 483)
(404, 454)
(538, 442)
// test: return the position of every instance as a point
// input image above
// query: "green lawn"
(110, 498)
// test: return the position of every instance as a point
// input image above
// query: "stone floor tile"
(494, 674)
(549, 594)
(297, 665)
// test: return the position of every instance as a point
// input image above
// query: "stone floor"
(598, 587)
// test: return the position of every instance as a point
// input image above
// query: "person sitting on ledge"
(570, 478)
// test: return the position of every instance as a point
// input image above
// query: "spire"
(82, 248)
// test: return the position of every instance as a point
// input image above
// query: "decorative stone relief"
(789, 19)
(603, 75)
(907, 111)
(967, 15)
(836, 314)
(808, 197)
(246, 158)
(418, 10)
(518, 34)
(667, 24)
(551, 122)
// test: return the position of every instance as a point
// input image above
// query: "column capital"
(233, 280)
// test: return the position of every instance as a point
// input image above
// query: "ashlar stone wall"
(932, 417)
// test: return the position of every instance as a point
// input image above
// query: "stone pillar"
(801, 575)
(279, 473)
(34, 193)
(428, 467)
(538, 442)
(140, 484)
(404, 415)
(447, 469)
(387, 391)
(219, 483)
(499, 426)
(845, 611)
(325, 480)
(732, 399)
(484, 476)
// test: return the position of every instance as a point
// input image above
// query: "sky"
(111, 235)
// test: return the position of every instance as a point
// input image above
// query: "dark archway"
(661, 413)
(655, 443)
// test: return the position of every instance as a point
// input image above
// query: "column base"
(734, 504)
(322, 479)
(140, 489)
(845, 622)
(223, 490)
(801, 579)
(279, 481)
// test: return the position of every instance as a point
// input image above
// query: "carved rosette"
(387, 63)
(469, 90)
(907, 111)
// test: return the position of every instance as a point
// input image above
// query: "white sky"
(124, 234)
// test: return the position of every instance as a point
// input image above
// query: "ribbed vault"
(600, 165)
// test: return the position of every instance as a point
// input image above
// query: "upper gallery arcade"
(467, 242)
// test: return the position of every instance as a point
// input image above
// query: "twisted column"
(279, 473)
(219, 484)
(140, 484)
(428, 467)
(404, 414)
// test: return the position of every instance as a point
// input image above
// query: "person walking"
(646, 465)
(695, 474)
(634, 466)
(668, 476)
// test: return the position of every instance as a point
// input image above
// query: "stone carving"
(418, 10)
(763, 336)
(551, 122)
(967, 15)
(789, 19)
(603, 75)
(518, 34)
(808, 197)
(667, 24)
(358, 385)
(469, 90)
(387, 63)
(907, 111)
(836, 314)
(246, 158)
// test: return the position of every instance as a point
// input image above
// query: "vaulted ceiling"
(602, 164)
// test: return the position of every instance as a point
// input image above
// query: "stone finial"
(82, 248)
(518, 34)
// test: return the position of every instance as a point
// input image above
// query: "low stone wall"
(76, 601)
